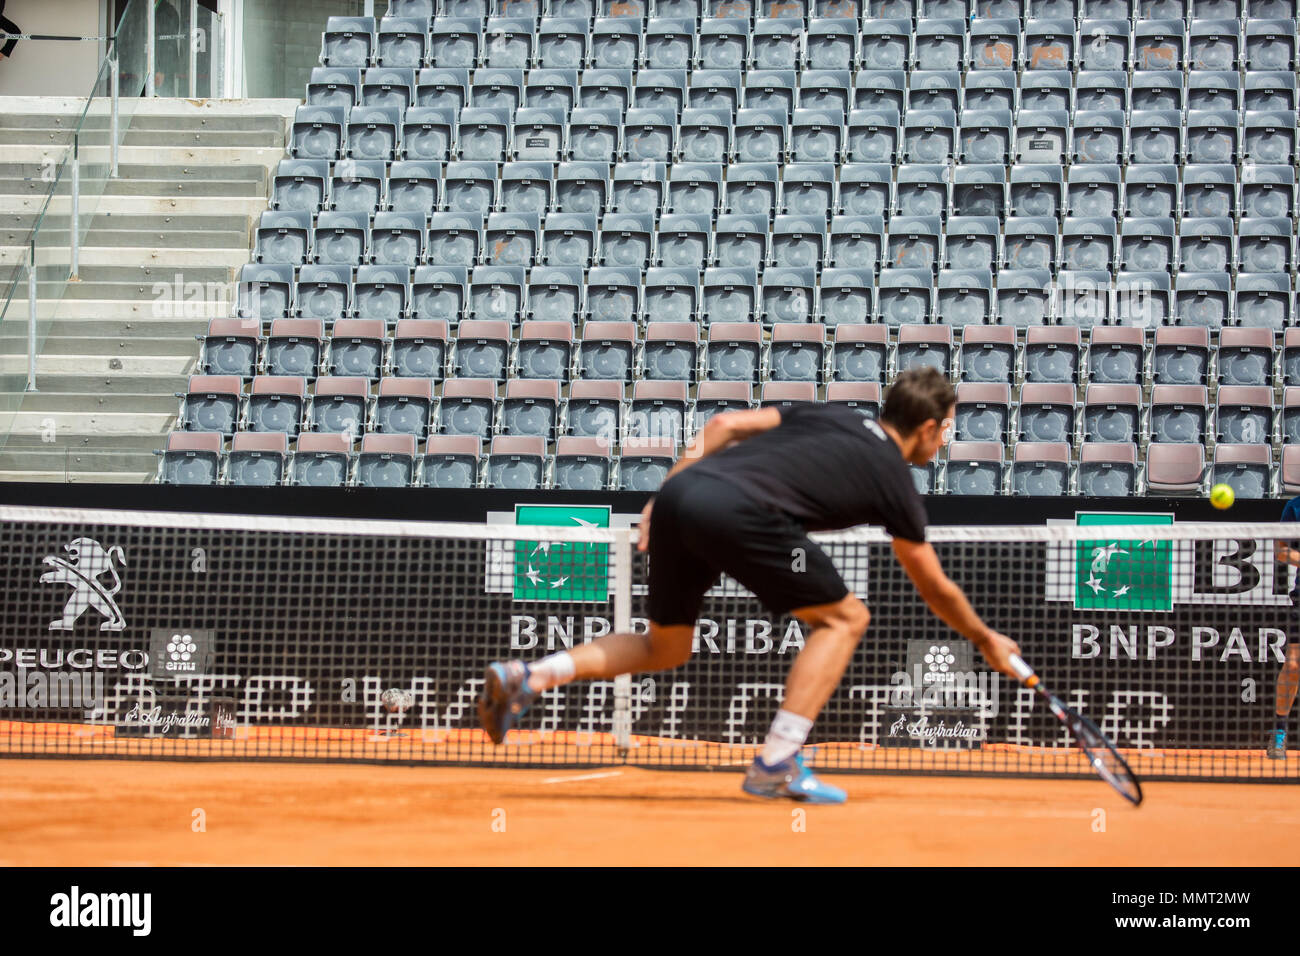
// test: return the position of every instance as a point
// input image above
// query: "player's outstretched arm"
(949, 603)
(723, 429)
(1286, 554)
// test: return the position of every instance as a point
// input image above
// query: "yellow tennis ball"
(1222, 496)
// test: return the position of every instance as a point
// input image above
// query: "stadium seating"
(593, 226)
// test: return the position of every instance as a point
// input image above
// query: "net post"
(622, 549)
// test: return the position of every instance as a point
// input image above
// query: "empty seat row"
(1107, 469)
(750, 10)
(1042, 412)
(1149, 191)
(685, 241)
(896, 296)
(587, 464)
(1120, 355)
(810, 134)
(725, 91)
(672, 351)
(835, 42)
(310, 186)
(1117, 413)
(471, 406)
(422, 348)
(326, 459)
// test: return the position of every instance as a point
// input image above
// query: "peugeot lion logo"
(82, 572)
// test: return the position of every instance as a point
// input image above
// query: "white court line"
(584, 776)
(1044, 814)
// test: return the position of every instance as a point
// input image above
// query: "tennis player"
(1288, 681)
(742, 501)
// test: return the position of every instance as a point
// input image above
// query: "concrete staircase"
(165, 244)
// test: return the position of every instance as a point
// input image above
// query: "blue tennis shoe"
(505, 698)
(1277, 744)
(789, 780)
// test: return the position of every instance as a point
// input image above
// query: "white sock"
(551, 671)
(786, 736)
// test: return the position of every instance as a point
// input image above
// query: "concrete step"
(112, 414)
(143, 275)
(248, 207)
(193, 178)
(231, 258)
(67, 440)
(64, 339)
(92, 388)
(182, 155)
(112, 234)
(165, 307)
(13, 341)
(141, 171)
(72, 363)
(101, 122)
(80, 477)
(151, 180)
(80, 457)
(138, 221)
(218, 187)
(142, 137)
(160, 106)
(176, 330)
(174, 289)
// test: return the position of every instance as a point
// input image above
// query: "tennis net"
(202, 636)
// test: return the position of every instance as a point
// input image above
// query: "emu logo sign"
(82, 572)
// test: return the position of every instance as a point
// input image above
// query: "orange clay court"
(132, 812)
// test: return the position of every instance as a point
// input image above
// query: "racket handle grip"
(1023, 670)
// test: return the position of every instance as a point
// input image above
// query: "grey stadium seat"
(1041, 469)
(340, 405)
(1107, 469)
(1246, 468)
(988, 353)
(257, 459)
(1181, 356)
(1246, 356)
(1178, 413)
(321, 460)
(983, 412)
(516, 462)
(191, 458)
(1052, 354)
(974, 468)
(450, 461)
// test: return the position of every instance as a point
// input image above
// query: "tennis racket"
(1101, 753)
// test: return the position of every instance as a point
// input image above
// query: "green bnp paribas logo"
(561, 570)
(1122, 574)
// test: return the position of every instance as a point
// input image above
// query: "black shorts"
(701, 526)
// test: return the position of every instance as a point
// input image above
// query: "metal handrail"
(110, 60)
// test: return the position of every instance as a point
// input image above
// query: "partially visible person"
(7, 26)
(1288, 552)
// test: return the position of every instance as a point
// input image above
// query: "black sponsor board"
(303, 629)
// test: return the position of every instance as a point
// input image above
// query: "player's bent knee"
(670, 644)
(848, 617)
(856, 617)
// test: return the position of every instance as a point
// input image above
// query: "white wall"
(52, 67)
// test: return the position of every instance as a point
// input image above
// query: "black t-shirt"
(828, 467)
(1291, 513)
